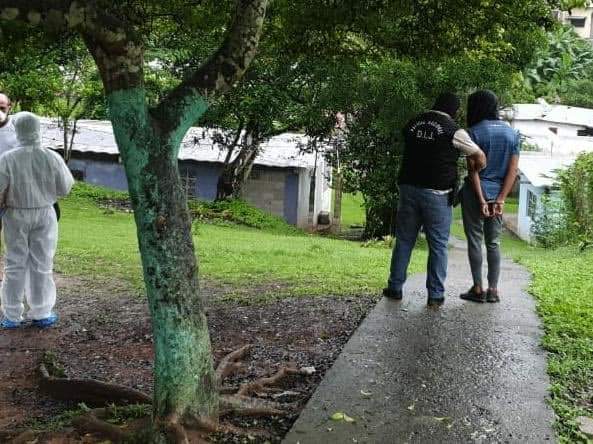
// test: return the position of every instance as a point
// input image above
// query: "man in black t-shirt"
(427, 180)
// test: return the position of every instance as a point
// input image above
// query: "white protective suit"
(31, 180)
(7, 136)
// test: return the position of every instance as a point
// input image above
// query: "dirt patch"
(104, 333)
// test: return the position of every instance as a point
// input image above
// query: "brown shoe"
(473, 296)
(492, 296)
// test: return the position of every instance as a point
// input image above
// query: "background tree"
(390, 93)
(560, 65)
(79, 92)
(193, 51)
(116, 35)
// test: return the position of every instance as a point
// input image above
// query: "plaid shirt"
(499, 142)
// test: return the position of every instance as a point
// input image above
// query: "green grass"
(511, 205)
(97, 243)
(563, 287)
(100, 243)
(352, 210)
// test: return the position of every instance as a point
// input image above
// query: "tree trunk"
(337, 216)
(184, 380)
(236, 172)
(65, 141)
(380, 220)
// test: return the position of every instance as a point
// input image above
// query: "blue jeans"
(419, 207)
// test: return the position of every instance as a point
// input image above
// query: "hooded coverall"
(32, 178)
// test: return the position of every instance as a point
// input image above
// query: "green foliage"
(238, 212)
(567, 5)
(123, 414)
(560, 66)
(389, 93)
(563, 286)
(60, 421)
(576, 183)
(83, 190)
(52, 365)
(550, 224)
(579, 92)
(226, 213)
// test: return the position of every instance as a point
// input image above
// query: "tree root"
(89, 391)
(90, 423)
(260, 384)
(242, 401)
(247, 406)
(229, 365)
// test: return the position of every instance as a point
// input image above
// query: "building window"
(577, 22)
(554, 130)
(531, 204)
(77, 174)
(587, 132)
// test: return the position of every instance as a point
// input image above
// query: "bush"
(550, 227)
(576, 183)
(97, 193)
(238, 212)
(228, 212)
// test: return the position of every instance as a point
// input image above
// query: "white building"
(555, 130)
(554, 135)
(537, 178)
(581, 19)
(284, 180)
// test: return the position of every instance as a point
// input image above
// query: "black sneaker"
(435, 302)
(471, 295)
(492, 296)
(393, 294)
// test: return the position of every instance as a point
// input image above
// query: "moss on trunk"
(184, 381)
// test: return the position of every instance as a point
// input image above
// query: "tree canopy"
(162, 64)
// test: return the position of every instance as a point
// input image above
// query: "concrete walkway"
(466, 372)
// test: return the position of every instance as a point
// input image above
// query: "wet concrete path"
(466, 372)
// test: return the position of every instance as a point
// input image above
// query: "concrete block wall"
(265, 190)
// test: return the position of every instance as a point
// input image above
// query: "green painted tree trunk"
(184, 379)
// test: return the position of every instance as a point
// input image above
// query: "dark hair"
(481, 105)
(448, 103)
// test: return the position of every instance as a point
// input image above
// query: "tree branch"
(181, 108)
(117, 50)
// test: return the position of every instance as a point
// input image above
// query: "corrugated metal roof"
(569, 115)
(97, 137)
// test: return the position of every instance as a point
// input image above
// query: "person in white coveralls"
(32, 178)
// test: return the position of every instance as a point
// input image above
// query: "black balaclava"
(481, 105)
(448, 103)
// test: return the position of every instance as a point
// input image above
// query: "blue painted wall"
(101, 172)
(111, 174)
(291, 198)
(206, 175)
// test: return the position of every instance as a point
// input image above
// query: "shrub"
(576, 184)
(228, 212)
(97, 193)
(550, 227)
(238, 212)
